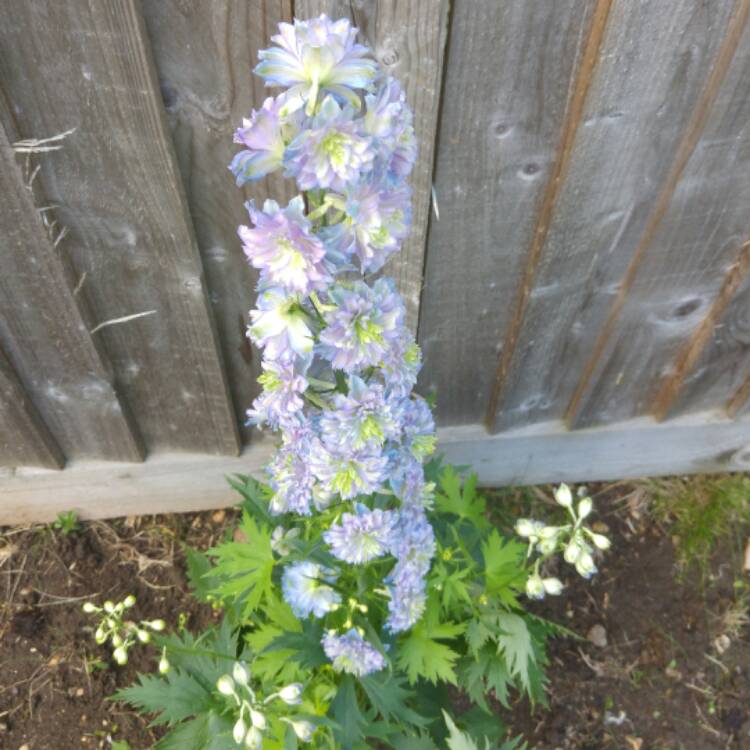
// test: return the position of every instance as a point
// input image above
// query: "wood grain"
(653, 65)
(44, 333)
(508, 78)
(171, 482)
(571, 124)
(119, 193)
(739, 399)
(408, 39)
(616, 383)
(204, 54)
(24, 438)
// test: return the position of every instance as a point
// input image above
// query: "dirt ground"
(662, 661)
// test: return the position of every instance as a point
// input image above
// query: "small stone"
(722, 643)
(635, 742)
(80, 692)
(218, 516)
(598, 636)
(24, 747)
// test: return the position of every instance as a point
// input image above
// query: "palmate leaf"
(458, 740)
(199, 569)
(504, 569)
(483, 674)
(389, 698)
(461, 501)
(420, 653)
(350, 721)
(243, 569)
(412, 742)
(302, 646)
(274, 664)
(255, 496)
(514, 643)
(207, 732)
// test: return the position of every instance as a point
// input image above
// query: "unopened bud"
(553, 586)
(258, 719)
(157, 625)
(535, 587)
(585, 507)
(291, 694)
(303, 729)
(163, 663)
(117, 640)
(129, 601)
(143, 636)
(585, 565)
(525, 527)
(563, 496)
(100, 636)
(120, 655)
(254, 739)
(89, 608)
(239, 731)
(109, 606)
(240, 673)
(225, 685)
(601, 541)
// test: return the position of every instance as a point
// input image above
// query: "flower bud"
(240, 673)
(120, 655)
(601, 541)
(573, 551)
(563, 496)
(239, 731)
(254, 739)
(143, 636)
(553, 586)
(535, 587)
(585, 507)
(291, 694)
(303, 729)
(547, 546)
(585, 565)
(225, 685)
(525, 527)
(109, 606)
(157, 625)
(163, 663)
(129, 601)
(549, 532)
(89, 608)
(117, 640)
(258, 719)
(100, 636)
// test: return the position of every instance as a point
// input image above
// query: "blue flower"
(361, 536)
(280, 402)
(407, 596)
(352, 653)
(280, 324)
(290, 479)
(318, 56)
(346, 472)
(332, 153)
(306, 590)
(284, 249)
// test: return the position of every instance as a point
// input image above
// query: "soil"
(662, 661)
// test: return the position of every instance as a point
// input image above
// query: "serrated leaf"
(303, 646)
(199, 568)
(207, 732)
(503, 566)
(461, 499)
(345, 710)
(420, 653)
(255, 496)
(477, 634)
(412, 742)
(458, 740)
(389, 698)
(274, 664)
(243, 569)
(514, 643)
(484, 674)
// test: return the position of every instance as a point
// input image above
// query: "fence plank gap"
(119, 192)
(682, 156)
(204, 54)
(686, 359)
(571, 123)
(24, 439)
(408, 40)
(44, 327)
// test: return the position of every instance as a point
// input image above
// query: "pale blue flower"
(363, 327)
(401, 363)
(264, 136)
(283, 382)
(407, 596)
(280, 324)
(419, 427)
(362, 536)
(283, 247)
(406, 477)
(352, 653)
(332, 152)
(316, 57)
(306, 590)
(413, 539)
(348, 473)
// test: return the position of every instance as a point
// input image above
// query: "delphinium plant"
(364, 578)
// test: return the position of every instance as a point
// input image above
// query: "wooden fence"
(579, 269)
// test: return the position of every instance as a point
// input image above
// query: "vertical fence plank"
(204, 54)
(24, 438)
(119, 193)
(44, 333)
(692, 239)
(408, 40)
(508, 81)
(653, 64)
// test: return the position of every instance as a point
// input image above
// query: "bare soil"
(662, 661)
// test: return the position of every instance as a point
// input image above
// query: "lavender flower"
(280, 324)
(264, 138)
(317, 56)
(283, 247)
(306, 590)
(360, 331)
(352, 653)
(290, 479)
(361, 536)
(401, 363)
(419, 427)
(332, 152)
(281, 399)
(406, 477)
(347, 473)
(414, 539)
(407, 596)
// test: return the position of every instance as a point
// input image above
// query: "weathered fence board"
(24, 439)
(205, 102)
(703, 442)
(408, 39)
(605, 368)
(651, 69)
(509, 72)
(119, 193)
(44, 334)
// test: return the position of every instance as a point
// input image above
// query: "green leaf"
(243, 569)
(457, 740)
(514, 643)
(389, 698)
(420, 653)
(462, 502)
(120, 745)
(199, 568)
(303, 646)
(207, 732)
(477, 634)
(486, 673)
(504, 567)
(275, 664)
(350, 722)
(255, 497)
(412, 742)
